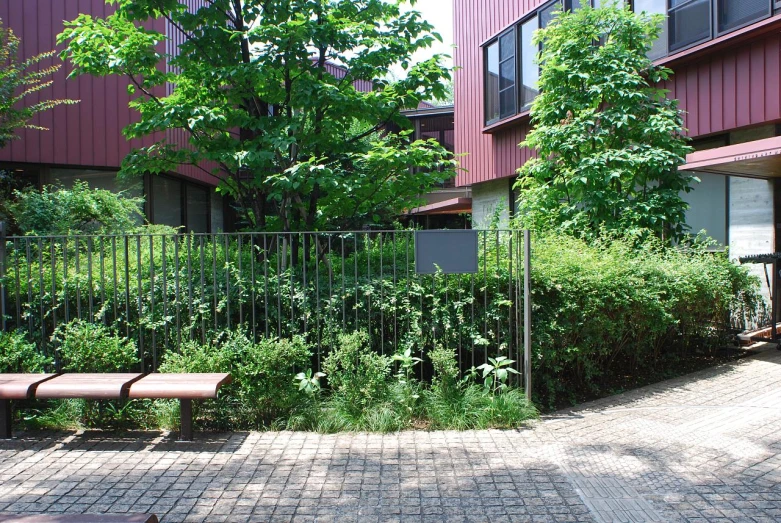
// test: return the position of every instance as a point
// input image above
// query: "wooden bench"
(79, 518)
(184, 387)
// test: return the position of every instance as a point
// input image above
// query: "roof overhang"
(451, 206)
(757, 159)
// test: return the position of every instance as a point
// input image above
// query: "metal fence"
(163, 290)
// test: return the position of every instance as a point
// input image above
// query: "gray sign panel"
(453, 252)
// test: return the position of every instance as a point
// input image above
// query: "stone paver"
(704, 447)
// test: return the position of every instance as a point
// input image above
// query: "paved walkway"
(704, 447)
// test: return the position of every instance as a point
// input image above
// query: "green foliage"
(19, 355)
(461, 404)
(356, 374)
(263, 389)
(18, 80)
(298, 139)
(608, 141)
(93, 347)
(57, 211)
(619, 311)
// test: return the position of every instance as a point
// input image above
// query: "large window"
(501, 97)
(690, 22)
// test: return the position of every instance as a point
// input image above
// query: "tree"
(18, 80)
(608, 141)
(256, 87)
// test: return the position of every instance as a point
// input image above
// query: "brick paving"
(703, 447)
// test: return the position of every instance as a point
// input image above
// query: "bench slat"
(79, 518)
(20, 386)
(87, 386)
(180, 386)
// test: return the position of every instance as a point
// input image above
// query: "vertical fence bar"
(177, 293)
(90, 293)
(164, 269)
(265, 283)
(317, 296)
(190, 285)
(527, 314)
(29, 259)
(203, 288)
(140, 291)
(102, 247)
(240, 281)
(65, 300)
(2, 276)
(77, 277)
(252, 285)
(41, 290)
(18, 298)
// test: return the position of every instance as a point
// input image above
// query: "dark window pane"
(530, 72)
(506, 75)
(546, 15)
(492, 82)
(197, 209)
(166, 201)
(507, 46)
(734, 13)
(689, 23)
(574, 5)
(659, 48)
(507, 102)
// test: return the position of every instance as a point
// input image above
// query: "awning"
(451, 206)
(757, 159)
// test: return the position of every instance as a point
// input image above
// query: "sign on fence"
(452, 252)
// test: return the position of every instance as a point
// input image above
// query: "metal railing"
(162, 290)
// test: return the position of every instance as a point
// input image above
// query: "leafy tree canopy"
(253, 86)
(608, 141)
(20, 79)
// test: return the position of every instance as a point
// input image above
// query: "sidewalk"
(704, 447)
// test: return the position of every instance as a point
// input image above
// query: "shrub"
(263, 388)
(358, 376)
(91, 347)
(56, 210)
(19, 355)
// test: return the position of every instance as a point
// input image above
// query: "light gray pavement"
(704, 447)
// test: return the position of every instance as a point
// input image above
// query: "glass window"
(507, 96)
(659, 48)
(492, 82)
(708, 206)
(735, 13)
(546, 14)
(530, 71)
(166, 196)
(689, 22)
(197, 209)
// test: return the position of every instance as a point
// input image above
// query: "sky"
(438, 13)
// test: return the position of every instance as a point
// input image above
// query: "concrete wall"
(751, 221)
(488, 198)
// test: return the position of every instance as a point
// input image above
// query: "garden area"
(337, 331)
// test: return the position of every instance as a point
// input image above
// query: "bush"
(262, 391)
(461, 404)
(56, 210)
(91, 347)
(19, 355)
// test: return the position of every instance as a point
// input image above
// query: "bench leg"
(5, 419)
(186, 412)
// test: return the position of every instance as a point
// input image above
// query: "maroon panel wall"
(722, 90)
(88, 134)
(475, 21)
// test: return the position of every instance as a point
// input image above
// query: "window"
(197, 209)
(530, 71)
(166, 198)
(690, 22)
(737, 13)
(500, 94)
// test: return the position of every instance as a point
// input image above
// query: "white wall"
(487, 197)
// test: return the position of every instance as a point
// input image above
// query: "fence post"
(527, 314)
(2, 277)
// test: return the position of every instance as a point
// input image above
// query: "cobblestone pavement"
(704, 447)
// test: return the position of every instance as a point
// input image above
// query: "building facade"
(85, 140)
(726, 59)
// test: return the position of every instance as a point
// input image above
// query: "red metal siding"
(88, 134)
(722, 90)
(475, 21)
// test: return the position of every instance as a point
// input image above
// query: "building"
(448, 206)
(727, 63)
(85, 140)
